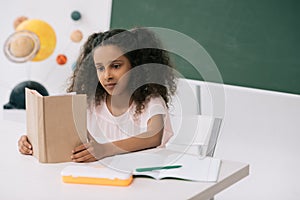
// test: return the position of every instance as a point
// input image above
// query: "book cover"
(55, 125)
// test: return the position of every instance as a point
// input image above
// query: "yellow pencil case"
(95, 174)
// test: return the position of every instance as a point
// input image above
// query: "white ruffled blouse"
(105, 127)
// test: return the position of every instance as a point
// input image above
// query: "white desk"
(22, 177)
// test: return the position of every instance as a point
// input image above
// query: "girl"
(128, 80)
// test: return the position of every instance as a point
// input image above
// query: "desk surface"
(22, 177)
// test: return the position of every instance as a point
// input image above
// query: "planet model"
(21, 46)
(76, 36)
(33, 40)
(61, 59)
(75, 15)
(46, 36)
(18, 21)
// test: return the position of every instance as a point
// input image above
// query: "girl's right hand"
(24, 145)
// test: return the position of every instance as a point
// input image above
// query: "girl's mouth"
(110, 85)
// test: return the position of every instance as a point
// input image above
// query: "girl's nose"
(107, 74)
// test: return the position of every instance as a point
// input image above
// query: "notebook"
(192, 167)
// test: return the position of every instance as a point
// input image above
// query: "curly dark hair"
(143, 49)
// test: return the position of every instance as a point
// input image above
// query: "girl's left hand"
(88, 152)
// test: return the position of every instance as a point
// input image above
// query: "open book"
(55, 125)
(179, 165)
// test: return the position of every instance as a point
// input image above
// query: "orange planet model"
(61, 59)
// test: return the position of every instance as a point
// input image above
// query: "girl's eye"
(116, 66)
(100, 68)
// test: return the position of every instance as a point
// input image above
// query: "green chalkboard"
(254, 43)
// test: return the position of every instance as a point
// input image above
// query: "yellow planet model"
(34, 40)
(45, 34)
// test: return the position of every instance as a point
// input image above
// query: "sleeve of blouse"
(157, 106)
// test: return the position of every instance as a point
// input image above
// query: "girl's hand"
(24, 145)
(88, 152)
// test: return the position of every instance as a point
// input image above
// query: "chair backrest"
(213, 139)
(197, 134)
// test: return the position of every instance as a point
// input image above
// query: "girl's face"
(111, 67)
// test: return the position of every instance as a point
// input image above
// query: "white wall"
(95, 17)
(261, 128)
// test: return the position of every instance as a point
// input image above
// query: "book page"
(33, 92)
(64, 94)
(130, 161)
(193, 168)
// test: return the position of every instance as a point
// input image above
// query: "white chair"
(196, 134)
